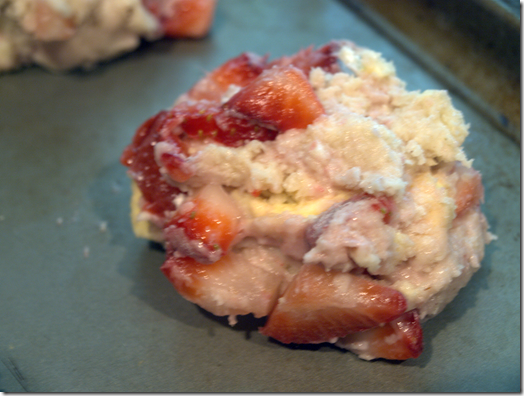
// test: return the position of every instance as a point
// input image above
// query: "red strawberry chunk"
(139, 156)
(234, 131)
(204, 226)
(469, 191)
(204, 120)
(239, 71)
(386, 206)
(183, 18)
(175, 165)
(308, 58)
(320, 306)
(230, 286)
(243, 69)
(399, 339)
(280, 97)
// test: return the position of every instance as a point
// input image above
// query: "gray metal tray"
(83, 305)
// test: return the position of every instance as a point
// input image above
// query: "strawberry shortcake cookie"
(65, 34)
(316, 192)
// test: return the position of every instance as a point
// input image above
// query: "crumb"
(86, 251)
(102, 226)
(115, 188)
(59, 221)
(232, 320)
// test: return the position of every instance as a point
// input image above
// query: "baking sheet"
(83, 305)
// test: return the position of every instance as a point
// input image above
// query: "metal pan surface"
(83, 305)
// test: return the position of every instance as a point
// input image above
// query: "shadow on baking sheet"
(143, 259)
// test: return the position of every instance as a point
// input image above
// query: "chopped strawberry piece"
(386, 206)
(186, 274)
(243, 69)
(195, 281)
(321, 223)
(239, 71)
(169, 151)
(399, 339)
(234, 131)
(469, 191)
(230, 286)
(281, 97)
(320, 306)
(203, 120)
(139, 156)
(183, 18)
(308, 58)
(175, 165)
(198, 119)
(204, 226)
